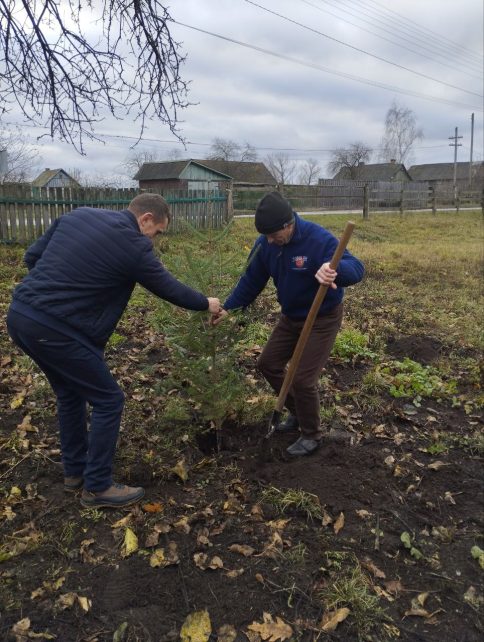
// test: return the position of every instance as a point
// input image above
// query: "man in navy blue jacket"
(296, 254)
(82, 272)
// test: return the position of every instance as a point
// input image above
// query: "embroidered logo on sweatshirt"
(299, 262)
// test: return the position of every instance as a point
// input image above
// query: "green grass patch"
(408, 379)
(349, 587)
(293, 500)
(351, 344)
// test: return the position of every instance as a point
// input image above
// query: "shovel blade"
(274, 421)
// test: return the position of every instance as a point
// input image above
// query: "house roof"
(443, 171)
(48, 174)
(255, 173)
(374, 172)
(166, 170)
(238, 171)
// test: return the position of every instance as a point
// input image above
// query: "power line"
(359, 79)
(375, 19)
(373, 33)
(345, 44)
(435, 36)
(200, 144)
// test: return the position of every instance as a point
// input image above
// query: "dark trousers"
(303, 397)
(78, 377)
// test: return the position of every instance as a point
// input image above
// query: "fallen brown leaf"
(242, 549)
(370, 566)
(152, 508)
(339, 523)
(271, 629)
(437, 465)
(226, 633)
(331, 619)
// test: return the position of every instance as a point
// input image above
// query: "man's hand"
(217, 318)
(214, 305)
(326, 276)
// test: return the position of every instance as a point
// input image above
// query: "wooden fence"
(26, 212)
(366, 196)
(386, 195)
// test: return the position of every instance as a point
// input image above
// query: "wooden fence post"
(433, 199)
(230, 206)
(366, 202)
(401, 201)
(3, 215)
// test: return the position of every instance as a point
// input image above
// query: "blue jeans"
(78, 377)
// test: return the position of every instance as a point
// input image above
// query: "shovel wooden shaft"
(308, 324)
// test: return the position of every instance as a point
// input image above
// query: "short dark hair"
(153, 203)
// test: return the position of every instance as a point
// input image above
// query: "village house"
(394, 172)
(54, 178)
(442, 174)
(212, 175)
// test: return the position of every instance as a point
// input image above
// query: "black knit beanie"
(273, 213)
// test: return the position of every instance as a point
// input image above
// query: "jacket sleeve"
(350, 269)
(35, 251)
(251, 283)
(152, 275)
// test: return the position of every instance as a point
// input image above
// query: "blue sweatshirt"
(83, 270)
(292, 268)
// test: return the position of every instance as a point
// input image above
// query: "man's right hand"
(217, 318)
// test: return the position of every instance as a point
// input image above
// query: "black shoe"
(303, 447)
(289, 425)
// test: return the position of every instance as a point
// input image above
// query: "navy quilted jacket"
(82, 272)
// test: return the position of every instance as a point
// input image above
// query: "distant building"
(194, 174)
(442, 174)
(394, 172)
(182, 175)
(55, 178)
(250, 175)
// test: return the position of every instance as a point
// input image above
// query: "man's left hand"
(326, 276)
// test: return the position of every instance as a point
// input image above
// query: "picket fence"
(26, 212)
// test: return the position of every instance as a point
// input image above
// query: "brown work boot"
(71, 484)
(116, 496)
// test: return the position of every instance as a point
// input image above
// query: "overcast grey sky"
(288, 100)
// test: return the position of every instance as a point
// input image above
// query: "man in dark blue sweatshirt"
(82, 272)
(296, 254)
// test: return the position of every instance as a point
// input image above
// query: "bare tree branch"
(22, 160)
(401, 132)
(60, 76)
(224, 149)
(349, 159)
(309, 172)
(281, 167)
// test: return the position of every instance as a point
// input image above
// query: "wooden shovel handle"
(308, 324)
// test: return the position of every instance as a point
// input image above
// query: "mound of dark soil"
(419, 348)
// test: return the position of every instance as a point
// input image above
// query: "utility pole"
(472, 147)
(455, 145)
